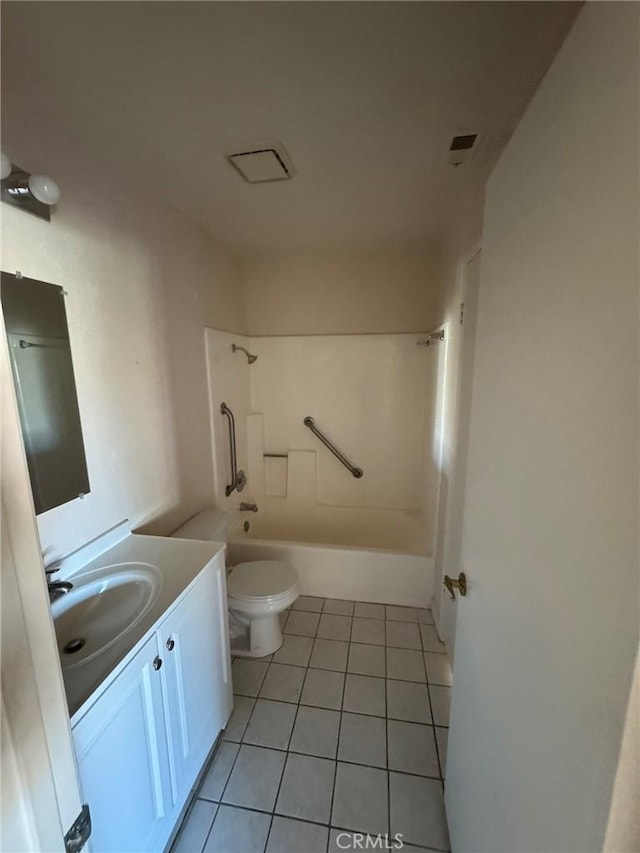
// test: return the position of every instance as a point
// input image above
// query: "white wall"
(142, 282)
(340, 292)
(548, 635)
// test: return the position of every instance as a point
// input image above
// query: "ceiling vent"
(461, 148)
(261, 163)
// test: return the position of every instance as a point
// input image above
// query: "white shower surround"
(370, 544)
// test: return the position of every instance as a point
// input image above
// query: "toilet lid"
(261, 579)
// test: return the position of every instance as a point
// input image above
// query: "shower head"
(250, 358)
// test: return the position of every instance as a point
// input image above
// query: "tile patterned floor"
(343, 729)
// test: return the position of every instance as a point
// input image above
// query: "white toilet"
(257, 592)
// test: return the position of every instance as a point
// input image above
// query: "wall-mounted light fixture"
(33, 193)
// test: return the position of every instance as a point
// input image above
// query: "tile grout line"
(433, 721)
(335, 771)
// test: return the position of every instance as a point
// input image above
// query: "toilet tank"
(211, 525)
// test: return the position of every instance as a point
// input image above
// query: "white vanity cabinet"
(142, 743)
(193, 641)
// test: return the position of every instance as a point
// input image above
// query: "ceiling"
(364, 96)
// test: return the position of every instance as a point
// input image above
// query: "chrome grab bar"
(238, 478)
(311, 424)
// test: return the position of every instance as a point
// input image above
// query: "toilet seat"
(262, 586)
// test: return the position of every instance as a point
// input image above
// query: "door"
(39, 776)
(196, 678)
(123, 761)
(452, 550)
(547, 636)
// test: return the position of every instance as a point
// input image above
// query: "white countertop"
(178, 561)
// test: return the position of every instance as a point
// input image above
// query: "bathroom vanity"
(148, 702)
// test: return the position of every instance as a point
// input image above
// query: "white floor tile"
(316, 732)
(329, 654)
(255, 778)
(425, 617)
(363, 740)
(417, 810)
(403, 635)
(238, 831)
(248, 675)
(242, 708)
(365, 695)
(430, 641)
(408, 701)
(405, 665)
(218, 773)
(438, 669)
(284, 616)
(368, 631)
(323, 689)
(342, 727)
(365, 659)
(195, 828)
(360, 799)
(442, 738)
(283, 682)
(440, 704)
(309, 603)
(369, 611)
(306, 788)
(401, 614)
(334, 627)
(271, 724)
(296, 836)
(412, 748)
(302, 623)
(338, 607)
(294, 650)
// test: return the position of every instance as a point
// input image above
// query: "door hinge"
(79, 833)
(461, 313)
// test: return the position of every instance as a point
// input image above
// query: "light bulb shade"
(5, 166)
(44, 189)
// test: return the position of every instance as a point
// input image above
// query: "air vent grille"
(464, 142)
(461, 147)
(262, 163)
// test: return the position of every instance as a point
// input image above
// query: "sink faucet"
(56, 588)
(245, 507)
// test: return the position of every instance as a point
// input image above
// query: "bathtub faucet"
(245, 507)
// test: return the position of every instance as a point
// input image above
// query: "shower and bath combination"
(250, 358)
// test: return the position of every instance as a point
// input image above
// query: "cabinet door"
(196, 678)
(122, 759)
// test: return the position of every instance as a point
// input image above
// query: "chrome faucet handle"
(53, 568)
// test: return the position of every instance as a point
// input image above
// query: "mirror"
(40, 352)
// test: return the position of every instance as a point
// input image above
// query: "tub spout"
(245, 507)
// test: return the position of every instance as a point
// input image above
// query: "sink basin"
(102, 606)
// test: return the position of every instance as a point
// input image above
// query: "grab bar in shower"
(238, 478)
(311, 424)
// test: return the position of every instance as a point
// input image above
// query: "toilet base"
(263, 637)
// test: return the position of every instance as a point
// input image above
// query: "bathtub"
(361, 554)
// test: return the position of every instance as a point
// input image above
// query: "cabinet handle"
(157, 662)
(170, 644)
